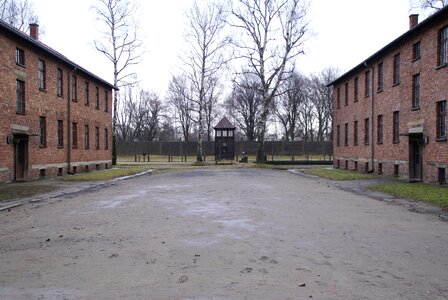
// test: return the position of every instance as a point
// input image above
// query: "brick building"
(55, 116)
(390, 110)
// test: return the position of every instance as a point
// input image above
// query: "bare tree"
(244, 105)
(179, 94)
(272, 36)
(204, 59)
(211, 106)
(429, 4)
(288, 103)
(120, 45)
(125, 116)
(18, 13)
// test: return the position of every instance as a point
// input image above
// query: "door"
(20, 157)
(415, 157)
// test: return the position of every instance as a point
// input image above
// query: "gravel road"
(221, 234)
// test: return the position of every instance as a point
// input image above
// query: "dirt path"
(221, 234)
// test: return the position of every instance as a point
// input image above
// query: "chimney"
(34, 31)
(413, 20)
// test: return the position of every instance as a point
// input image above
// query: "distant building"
(55, 116)
(390, 110)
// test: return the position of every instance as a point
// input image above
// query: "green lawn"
(105, 174)
(338, 174)
(10, 192)
(434, 194)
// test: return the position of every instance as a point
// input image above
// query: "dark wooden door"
(415, 158)
(20, 157)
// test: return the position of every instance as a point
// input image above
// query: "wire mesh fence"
(186, 151)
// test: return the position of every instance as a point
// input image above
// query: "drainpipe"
(372, 118)
(69, 121)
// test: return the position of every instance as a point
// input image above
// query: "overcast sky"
(345, 33)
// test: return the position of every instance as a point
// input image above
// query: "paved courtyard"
(221, 234)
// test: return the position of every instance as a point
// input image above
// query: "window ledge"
(395, 84)
(20, 65)
(441, 66)
(74, 147)
(42, 90)
(60, 96)
(60, 147)
(42, 146)
(20, 113)
(416, 59)
(415, 108)
(441, 139)
(395, 142)
(379, 143)
(379, 91)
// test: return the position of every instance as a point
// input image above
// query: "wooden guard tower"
(224, 140)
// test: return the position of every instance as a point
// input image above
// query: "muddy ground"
(221, 234)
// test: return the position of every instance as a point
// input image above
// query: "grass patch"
(105, 174)
(434, 194)
(14, 192)
(338, 174)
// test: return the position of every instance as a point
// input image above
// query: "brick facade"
(418, 153)
(25, 153)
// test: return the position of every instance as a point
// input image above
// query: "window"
(396, 73)
(443, 46)
(338, 136)
(380, 129)
(366, 131)
(441, 120)
(380, 76)
(416, 51)
(20, 97)
(355, 133)
(441, 175)
(356, 88)
(60, 134)
(416, 91)
(367, 83)
(20, 57)
(59, 82)
(224, 133)
(218, 133)
(346, 93)
(338, 98)
(106, 101)
(42, 132)
(106, 139)
(86, 137)
(97, 98)
(74, 87)
(75, 135)
(230, 133)
(97, 138)
(396, 127)
(346, 134)
(86, 92)
(41, 74)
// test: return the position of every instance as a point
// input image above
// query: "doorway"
(415, 157)
(20, 157)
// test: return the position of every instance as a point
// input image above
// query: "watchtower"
(224, 140)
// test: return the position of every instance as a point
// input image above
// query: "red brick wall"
(433, 88)
(48, 104)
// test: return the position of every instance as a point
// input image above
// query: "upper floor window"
(86, 137)
(443, 46)
(97, 98)
(367, 83)
(41, 74)
(106, 139)
(356, 88)
(338, 98)
(380, 76)
(42, 132)
(441, 120)
(97, 138)
(20, 57)
(74, 135)
(396, 127)
(60, 134)
(396, 70)
(59, 82)
(380, 129)
(106, 101)
(86, 92)
(416, 51)
(416, 91)
(74, 89)
(20, 96)
(346, 94)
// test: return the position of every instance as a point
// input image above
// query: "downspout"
(372, 118)
(69, 121)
